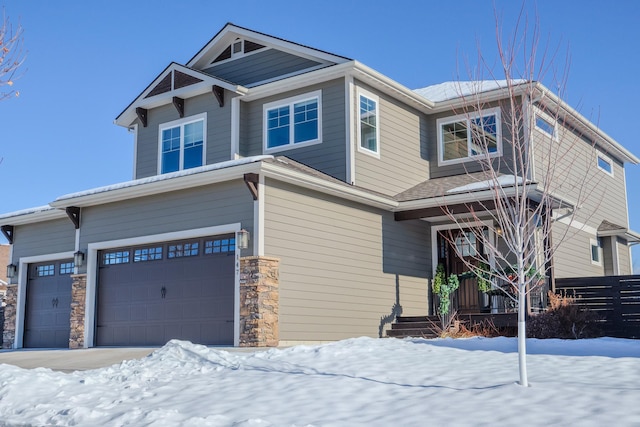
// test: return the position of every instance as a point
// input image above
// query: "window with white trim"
(596, 251)
(545, 126)
(368, 120)
(604, 164)
(293, 122)
(462, 138)
(182, 143)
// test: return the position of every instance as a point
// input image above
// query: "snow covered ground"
(357, 382)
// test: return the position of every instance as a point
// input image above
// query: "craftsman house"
(281, 194)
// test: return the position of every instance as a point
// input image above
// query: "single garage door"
(148, 295)
(47, 320)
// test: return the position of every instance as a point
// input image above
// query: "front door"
(457, 248)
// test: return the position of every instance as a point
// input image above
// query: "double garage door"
(147, 295)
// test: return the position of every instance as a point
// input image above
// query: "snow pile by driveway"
(356, 382)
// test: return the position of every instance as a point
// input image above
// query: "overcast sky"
(88, 60)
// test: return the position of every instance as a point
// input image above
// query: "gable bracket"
(142, 115)
(252, 180)
(7, 230)
(179, 104)
(219, 94)
(74, 215)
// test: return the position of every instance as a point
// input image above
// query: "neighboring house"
(336, 174)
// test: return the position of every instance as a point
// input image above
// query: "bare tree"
(11, 56)
(525, 180)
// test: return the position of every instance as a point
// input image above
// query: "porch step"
(415, 326)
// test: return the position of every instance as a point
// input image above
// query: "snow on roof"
(450, 90)
(166, 176)
(27, 211)
(502, 181)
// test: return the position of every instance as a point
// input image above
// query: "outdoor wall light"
(242, 239)
(78, 258)
(498, 230)
(12, 270)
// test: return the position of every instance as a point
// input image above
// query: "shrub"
(564, 319)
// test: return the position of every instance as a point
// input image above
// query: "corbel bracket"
(142, 115)
(74, 215)
(7, 230)
(219, 94)
(179, 104)
(252, 180)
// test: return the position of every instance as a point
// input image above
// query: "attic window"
(237, 47)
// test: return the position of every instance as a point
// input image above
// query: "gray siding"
(260, 66)
(403, 160)
(342, 264)
(328, 156)
(43, 238)
(218, 131)
(608, 256)
(198, 207)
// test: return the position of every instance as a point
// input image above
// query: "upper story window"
(182, 143)
(464, 137)
(546, 127)
(293, 122)
(604, 164)
(369, 131)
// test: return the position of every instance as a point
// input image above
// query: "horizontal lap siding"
(198, 207)
(43, 238)
(260, 66)
(218, 131)
(403, 160)
(573, 255)
(328, 156)
(340, 264)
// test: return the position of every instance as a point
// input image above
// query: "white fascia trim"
(258, 218)
(574, 224)
(349, 107)
(159, 186)
(21, 300)
(134, 129)
(92, 269)
(235, 128)
(28, 216)
(303, 180)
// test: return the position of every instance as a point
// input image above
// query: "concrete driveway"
(71, 360)
(65, 360)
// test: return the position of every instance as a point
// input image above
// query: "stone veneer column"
(78, 304)
(9, 330)
(259, 300)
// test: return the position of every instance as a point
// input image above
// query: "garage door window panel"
(219, 246)
(66, 268)
(179, 250)
(45, 270)
(147, 254)
(118, 257)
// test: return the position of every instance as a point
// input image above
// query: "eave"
(128, 116)
(32, 215)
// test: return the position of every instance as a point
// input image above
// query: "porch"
(505, 324)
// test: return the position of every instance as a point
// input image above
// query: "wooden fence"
(616, 300)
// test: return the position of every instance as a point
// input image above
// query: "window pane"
(454, 137)
(66, 268)
(604, 165)
(170, 150)
(306, 121)
(193, 134)
(368, 123)
(595, 253)
(193, 157)
(171, 161)
(484, 135)
(545, 126)
(278, 127)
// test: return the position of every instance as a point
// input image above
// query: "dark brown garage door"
(148, 295)
(47, 322)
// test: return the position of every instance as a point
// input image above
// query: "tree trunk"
(522, 335)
